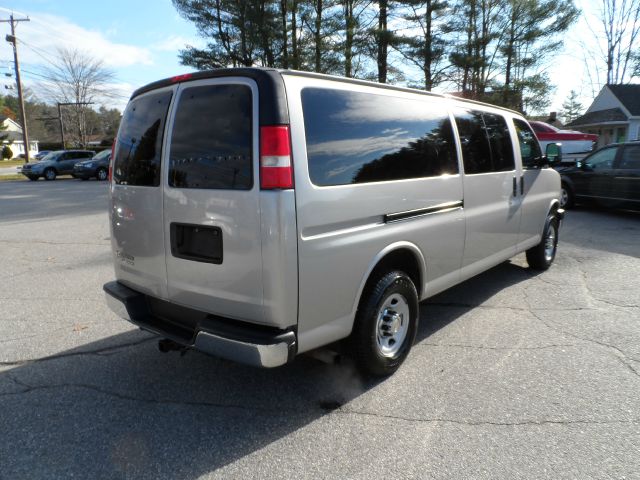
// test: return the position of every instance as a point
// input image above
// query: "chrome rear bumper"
(237, 341)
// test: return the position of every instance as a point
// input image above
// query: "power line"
(12, 39)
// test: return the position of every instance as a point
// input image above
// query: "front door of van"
(211, 199)
(491, 189)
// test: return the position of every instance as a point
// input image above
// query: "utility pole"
(12, 39)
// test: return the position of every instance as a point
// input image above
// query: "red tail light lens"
(181, 78)
(276, 169)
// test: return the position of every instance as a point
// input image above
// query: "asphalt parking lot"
(514, 374)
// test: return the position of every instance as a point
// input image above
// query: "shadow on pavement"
(118, 408)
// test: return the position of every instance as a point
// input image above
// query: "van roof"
(266, 80)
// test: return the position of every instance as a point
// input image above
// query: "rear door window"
(355, 137)
(139, 143)
(211, 142)
(486, 142)
(476, 153)
(500, 141)
(630, 158)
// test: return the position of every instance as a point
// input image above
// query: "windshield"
(51, 156)
(103, 154)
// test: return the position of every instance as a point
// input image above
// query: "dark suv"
(60, 162)
(608, 177)
(97, 167)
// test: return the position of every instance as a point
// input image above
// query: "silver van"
(257, 214)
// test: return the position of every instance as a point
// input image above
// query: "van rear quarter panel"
(341, 229)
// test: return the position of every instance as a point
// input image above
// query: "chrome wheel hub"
(392, 325)
(550, 244)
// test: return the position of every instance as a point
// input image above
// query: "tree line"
(491, 50)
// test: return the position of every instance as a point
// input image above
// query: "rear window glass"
(355, 137)
(139, 144)
(212, 139)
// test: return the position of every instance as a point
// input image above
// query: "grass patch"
(11, 178)
(11, 163)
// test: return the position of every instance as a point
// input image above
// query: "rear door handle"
(515, 187)
(522, 185)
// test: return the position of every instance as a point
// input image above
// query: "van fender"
(413, 248)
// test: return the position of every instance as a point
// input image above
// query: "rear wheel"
(542, 255)
(50, 174)
(386, 324)
(101, 174)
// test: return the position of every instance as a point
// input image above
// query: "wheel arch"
(404, 256)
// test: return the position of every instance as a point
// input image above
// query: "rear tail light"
(276, 169)
(111, 160)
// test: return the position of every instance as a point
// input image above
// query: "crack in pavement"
(483, 347)
(104, 351)
(471, 423)
(338, 411)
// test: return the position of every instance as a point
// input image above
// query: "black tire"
(542, 255)
(32, 178)
(102, 174)
(50, 174)
(567, 197)
(374, 324)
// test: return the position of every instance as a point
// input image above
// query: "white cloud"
(174, 43)
(45, 32)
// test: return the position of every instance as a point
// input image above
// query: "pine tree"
(571, 108)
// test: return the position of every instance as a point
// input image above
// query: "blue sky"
(139, 40)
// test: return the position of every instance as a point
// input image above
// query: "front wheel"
(49, 174)
(101, 174)
(566, 196)
(386, 324)
(542, 255)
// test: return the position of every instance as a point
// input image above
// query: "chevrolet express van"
(257, 214)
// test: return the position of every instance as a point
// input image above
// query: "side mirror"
(553, 152)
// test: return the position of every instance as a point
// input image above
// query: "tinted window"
(139, 144)
(529, 146)
(211, 139)
(630, 157)
(602, 160)
(476, 153)
(500, 141)
(357, 137)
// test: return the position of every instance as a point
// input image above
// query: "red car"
(572, 141)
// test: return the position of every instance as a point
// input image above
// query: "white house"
(13, 134)
(614, 115)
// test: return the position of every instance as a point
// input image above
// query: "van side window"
(529, 146)
(139, 141)
(355, 137)
(500, 141)
(211, 141)
(476, 153)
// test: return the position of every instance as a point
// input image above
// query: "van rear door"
(212, 199)
(136, 194)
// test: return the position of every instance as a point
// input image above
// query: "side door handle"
(522, 185)
(515, 187)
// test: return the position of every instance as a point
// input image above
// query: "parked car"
(222, 244)
(97, 167)
(572, 141)
(60, 162)
(608, 177)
